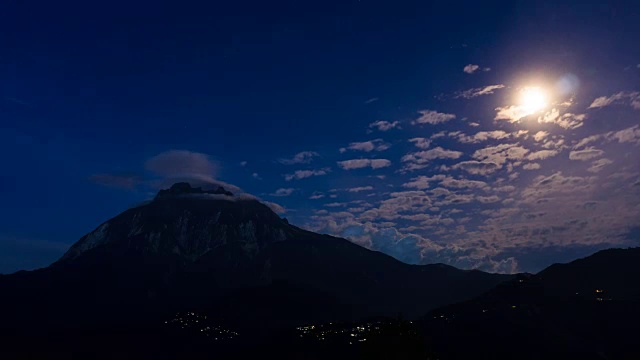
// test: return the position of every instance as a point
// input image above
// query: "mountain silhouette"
(227, 255)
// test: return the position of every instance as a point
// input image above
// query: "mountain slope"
(230, 256)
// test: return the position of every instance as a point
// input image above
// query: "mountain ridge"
(194, 248)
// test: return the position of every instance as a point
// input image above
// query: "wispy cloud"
(283, 192)
(586, 154)
(303, 174)
(367, 146)
(384, 125)
(631, 98)
(471, 68)
(359, 189)
(303, 157)
(183, 164)
(364, 163)
(421, 143)
(123, 181)
(432, 117)
(475, 92)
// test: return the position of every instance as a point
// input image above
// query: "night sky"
(502, 137)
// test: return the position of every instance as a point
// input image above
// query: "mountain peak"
(184, 188)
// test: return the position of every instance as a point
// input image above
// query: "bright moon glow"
(532, 99)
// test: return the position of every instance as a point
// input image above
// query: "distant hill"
(587, 309)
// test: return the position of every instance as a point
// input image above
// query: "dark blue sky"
(102, 104)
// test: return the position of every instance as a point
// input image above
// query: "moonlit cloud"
(475, 92)
(480, 136)
(471, 68)
(364, 163)
(384, 125)
(283, 192)
(303, 174)
(303, 157)
(630, 98)
(359, 189)
(367, 146)
(432, 117)
(421, 143)
(586, 154)
(550, 182)
(316, 195)
(183, 164)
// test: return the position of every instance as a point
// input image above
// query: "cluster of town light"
(192, 321)
(350, 333)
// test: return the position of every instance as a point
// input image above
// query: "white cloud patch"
(477, 167)
(384, 125)
(531, 166)
(303, 174)
(542, 154)
(586, 154)
(630, 98)
(628, 135)
(364, 163)
(367, 146)
(480, 136)
(432, 117)
(360, 188)
(283, 192)
(303, 157)
(471, 68)
(316, 195)
(422, 143)
(540, 135)
(475, 92)
(418, 160)
(183, 164)
(598, 165)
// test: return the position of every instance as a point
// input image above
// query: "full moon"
(532, 99)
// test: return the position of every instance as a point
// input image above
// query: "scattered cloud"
(432, 117)
(384, 125)
(419, 160)
(283, 192)
(371, 100)
(475, 92)
(598, 165)
(540, 135)
(471, 68)
(480, 136)
(422, 143)
(531, 166)
(630, 98)
(303, 174)
(565, 121)
(542, 154)
(586, 154)
(359, 189)
(183, 164)
(367, 146)
(316, 195)
(364, 163)
(477, 167)
(303, 157)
